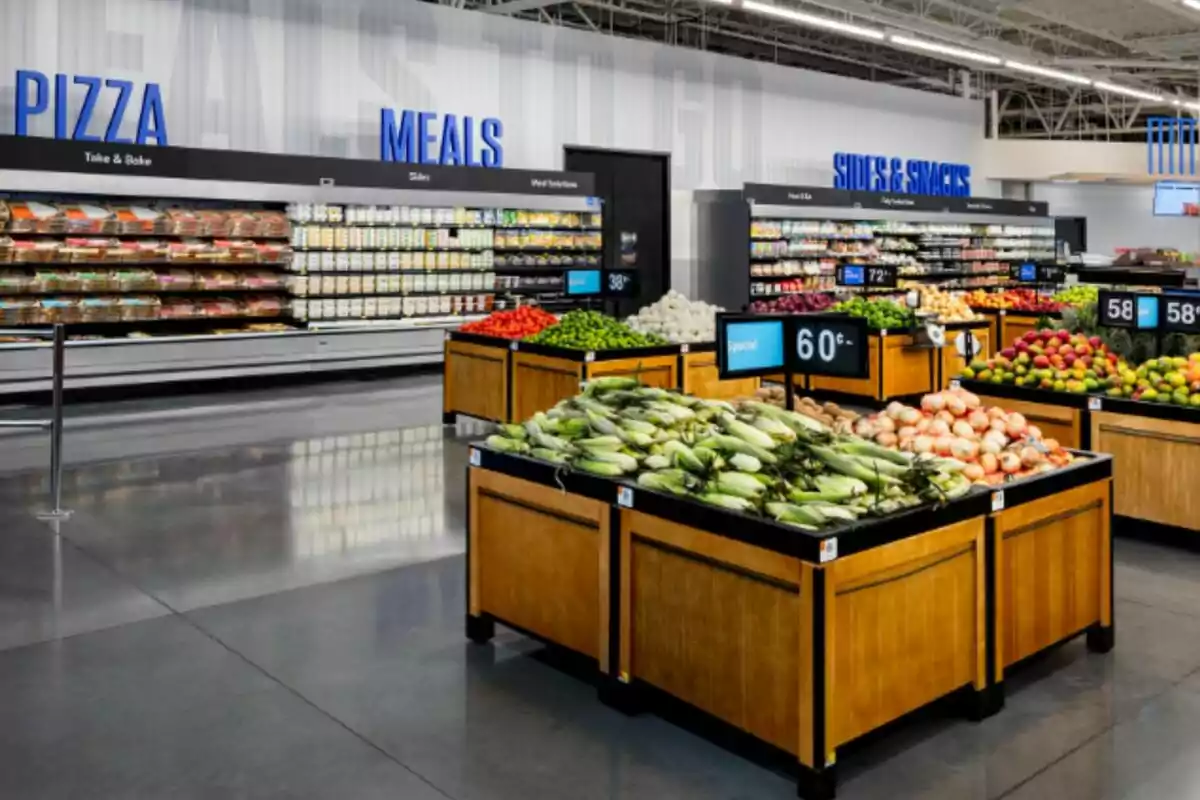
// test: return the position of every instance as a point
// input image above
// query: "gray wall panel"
(309, 77)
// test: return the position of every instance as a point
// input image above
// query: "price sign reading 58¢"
(1181, 314)
(828, 345)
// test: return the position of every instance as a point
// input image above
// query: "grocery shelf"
(117, 265)
(284, 238)
(266, 290)
(348, 250)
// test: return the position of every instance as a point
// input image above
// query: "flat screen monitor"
(1175, 199)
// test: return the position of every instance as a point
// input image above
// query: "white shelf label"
(954, 384)
(589, 356)
(625, 496)
(513, 345)
(998, 500)
(683, 348)
(474, 458)
(828, 549)
(1094, 403)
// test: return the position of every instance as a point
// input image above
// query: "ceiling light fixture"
(1138, 93)
(1192, 4)
(812, 20)
(946, 50)
(1033, 69)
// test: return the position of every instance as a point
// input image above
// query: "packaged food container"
(132, 279)
(17, 310)
(216, 280)
(15, 282)
(176, 280)
(54, 310)
(37, 251)
(99, 309)
(94, 280)
(183, 222)
(140, 220)
(135, 308)
(178, 308)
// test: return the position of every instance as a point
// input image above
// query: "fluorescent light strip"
(946, 50)
(811, 20)
(1033, 69)
(1138, 93)
(1195, 4)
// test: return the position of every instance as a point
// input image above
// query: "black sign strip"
(58, 155)
(824, 197)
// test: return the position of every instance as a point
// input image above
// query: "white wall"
(1040, 160)
(1119, 216)
(310, 77)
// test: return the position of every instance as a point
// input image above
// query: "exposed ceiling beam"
(1005, 22)
(517, 6)
(1130, 63)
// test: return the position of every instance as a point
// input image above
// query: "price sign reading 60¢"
(828, 345)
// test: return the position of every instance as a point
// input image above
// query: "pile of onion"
(994, 443)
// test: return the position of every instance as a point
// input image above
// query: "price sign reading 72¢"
(828, 345)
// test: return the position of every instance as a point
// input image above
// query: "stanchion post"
(56, 424)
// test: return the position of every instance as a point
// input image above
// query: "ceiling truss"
(1153, 45)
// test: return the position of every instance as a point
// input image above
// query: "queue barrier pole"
(58, 338)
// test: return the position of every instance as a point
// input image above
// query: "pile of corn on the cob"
(752, 457)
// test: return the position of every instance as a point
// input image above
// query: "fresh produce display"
(591, 330)
(880, 314)
(829, 414)
(677, 319)
(1054, 360)
(1079, 295)
(515, 324)
(754, 458)
(794, 304)
(1014, 300)
(995, 445)
(949, 306)
(1163, 380)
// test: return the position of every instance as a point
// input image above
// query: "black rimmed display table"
(1156, 447)
(784, 644)
(509, 381)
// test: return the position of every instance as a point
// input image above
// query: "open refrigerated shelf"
(133, 349)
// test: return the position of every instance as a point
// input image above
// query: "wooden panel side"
(475, 380)
(536, 558)
(952, 363)
(541, 381)
(1149, 458)
(661, 371)
(1055, 422)
(1013, 328)
(904, 627)
(907, 370)
(700, 378)
(1052, 567)
(717, 636)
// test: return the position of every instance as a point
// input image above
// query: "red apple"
(1022, 345)
(1069, 358)
(1030, 337)
(1041, 362)
(1009, 353)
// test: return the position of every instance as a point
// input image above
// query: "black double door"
(635, 188)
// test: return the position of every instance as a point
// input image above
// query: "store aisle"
(275, 609)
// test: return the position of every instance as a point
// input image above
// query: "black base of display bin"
(1156, 533)
(1101, 639)
(620, 696)
(481, 629)
(979, 705)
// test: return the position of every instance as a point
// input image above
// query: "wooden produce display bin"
(953, 362)
(1156, 448)
(542, 375)
(789, 642)
(475, 377)
(1059, 415)
(698, 375)
(896, 367)
(1015, 324)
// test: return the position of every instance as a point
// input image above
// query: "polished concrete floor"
(261, 596)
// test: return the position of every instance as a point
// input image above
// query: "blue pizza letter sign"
(33, 97)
